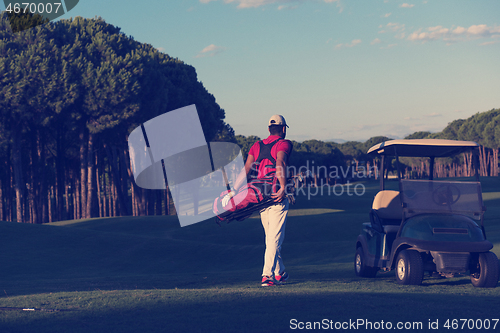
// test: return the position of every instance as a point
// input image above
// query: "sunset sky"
(336, 69)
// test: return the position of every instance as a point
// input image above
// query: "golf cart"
(428, 225)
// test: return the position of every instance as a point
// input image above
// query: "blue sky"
(335, 69)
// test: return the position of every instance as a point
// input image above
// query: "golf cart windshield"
(421, 196)
(431, 148)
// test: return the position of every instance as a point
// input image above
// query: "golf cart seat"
(387, 211)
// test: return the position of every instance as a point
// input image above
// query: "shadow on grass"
(247, 310)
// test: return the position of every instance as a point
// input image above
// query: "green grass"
(146, 274)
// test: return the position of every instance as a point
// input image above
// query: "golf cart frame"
(428, 225)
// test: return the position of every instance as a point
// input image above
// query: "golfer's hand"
(227, 197)
(279, 196)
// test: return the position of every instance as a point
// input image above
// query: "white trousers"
(274, 222)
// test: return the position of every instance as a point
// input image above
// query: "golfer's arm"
(281, 168)
(244, 172)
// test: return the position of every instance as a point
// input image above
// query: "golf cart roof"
(422, 147)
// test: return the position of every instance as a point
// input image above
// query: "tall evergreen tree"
(70, 92)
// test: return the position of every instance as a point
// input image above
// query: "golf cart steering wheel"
(446, 195)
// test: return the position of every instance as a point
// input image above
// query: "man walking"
(269, 159)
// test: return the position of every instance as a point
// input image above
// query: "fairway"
(147, 274)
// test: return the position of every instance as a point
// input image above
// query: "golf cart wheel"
(360, 267)
(409, 267)
(485, 272)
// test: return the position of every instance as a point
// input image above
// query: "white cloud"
(390, 46)
(353, 43)
(210, 51)
(375, 41)
(398, 28)
(387, 15)
(432, 115)
(340, 6)
(434, 33)
(489, 43)
(392, 26)
(459, 30)
(482, 30)
(455, 34)
(395, 26)
(406, 5)
(438, 29)
(259, 3)
(252, 3)
(288, 7)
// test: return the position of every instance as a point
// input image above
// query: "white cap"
(277, 120)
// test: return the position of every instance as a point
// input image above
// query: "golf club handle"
(226, 180)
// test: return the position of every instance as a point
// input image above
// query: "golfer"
(267, 162)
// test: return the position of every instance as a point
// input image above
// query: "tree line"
(483, 128)
(70, 92)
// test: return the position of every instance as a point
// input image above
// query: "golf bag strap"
(265, 154)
